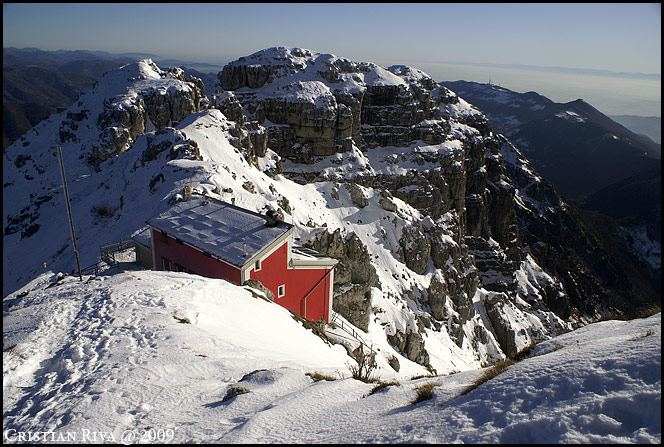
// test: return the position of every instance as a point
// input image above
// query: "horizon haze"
(606, 54)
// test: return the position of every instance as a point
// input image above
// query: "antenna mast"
(71, 222)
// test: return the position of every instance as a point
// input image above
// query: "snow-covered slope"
(421, 214)
(107, 204)
(172, 357)
(111, 199)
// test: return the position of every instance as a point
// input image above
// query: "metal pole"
(71, 222)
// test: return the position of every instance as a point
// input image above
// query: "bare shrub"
(104, 210)
(183, 320)
(364, 367)
(235, 391)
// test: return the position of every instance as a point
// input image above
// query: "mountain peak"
(301, 67)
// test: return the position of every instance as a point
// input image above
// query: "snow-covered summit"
(305, 75)
(112, 199)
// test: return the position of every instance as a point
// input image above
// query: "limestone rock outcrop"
(354, 275)
(142, 109)
(316, 104)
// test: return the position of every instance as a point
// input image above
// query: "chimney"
(186, 193)
(271, 218)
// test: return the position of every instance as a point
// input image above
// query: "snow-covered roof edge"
(250, 260)
(307, 257)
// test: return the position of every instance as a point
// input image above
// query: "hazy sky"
(442, 39)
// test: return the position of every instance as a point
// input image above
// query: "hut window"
(164, 237)
(281, 291)
(167, 263)
(257, 265)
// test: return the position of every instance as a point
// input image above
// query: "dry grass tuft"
(647, 333)
(380, 386)
(13, 351)
(424, 392)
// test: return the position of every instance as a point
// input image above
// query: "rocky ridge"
(496, 205)
(456, 174)
(434, 218)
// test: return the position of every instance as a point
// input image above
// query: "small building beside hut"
(143, 248)
(212, 238)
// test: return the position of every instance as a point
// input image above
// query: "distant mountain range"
(591, 159)
(573, 145)
(33, 56)
(36, 83)
(650, 126)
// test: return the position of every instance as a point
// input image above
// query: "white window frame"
(257, 265)
(281, 290)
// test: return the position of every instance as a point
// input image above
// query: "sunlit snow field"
(140, 353)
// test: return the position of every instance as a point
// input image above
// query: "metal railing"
(108, 251)
(108, 260)
(94, 269)
(349, 330)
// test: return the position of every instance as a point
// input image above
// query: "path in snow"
(116, 353)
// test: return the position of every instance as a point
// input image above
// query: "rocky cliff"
(416, 141)
(489, 217)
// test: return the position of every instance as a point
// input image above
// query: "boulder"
(256, 284)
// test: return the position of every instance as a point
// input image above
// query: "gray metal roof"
(220, 228)
(143, 237)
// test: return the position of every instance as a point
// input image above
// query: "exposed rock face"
(354, 276)
(141, 110)
(356, 194)
(411, 345)
(174, 140)
(247, 135)
(415, 248)
(317, 104)
(256, 284)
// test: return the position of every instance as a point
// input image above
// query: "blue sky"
(443, 39)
